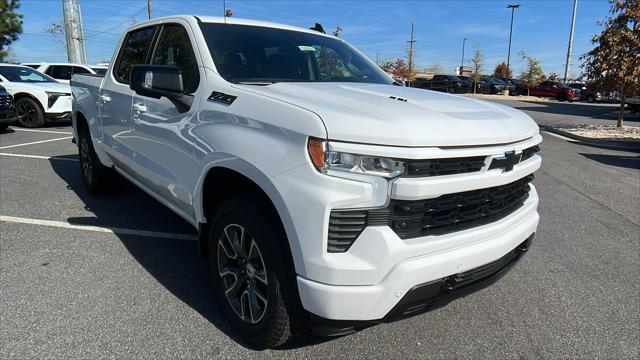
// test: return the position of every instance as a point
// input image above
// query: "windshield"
(24, 74)
(261, 55)
(100, 71)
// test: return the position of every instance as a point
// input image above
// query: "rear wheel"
(254, 283)
(29, 113)
(98, 179)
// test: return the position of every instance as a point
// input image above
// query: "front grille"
(6, 102)
(437, 167)
(442, 215)
(529, 152)
(451, 166)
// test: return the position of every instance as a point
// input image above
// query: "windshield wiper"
(256, 82)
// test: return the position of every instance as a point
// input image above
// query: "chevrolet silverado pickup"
(326, 197)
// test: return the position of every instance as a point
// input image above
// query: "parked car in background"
(61, 71)
(444, 83)
(7, 109)
(555, 89)
(481, 88)
(520, 87)
(496, 86)
(633, 103)
(38, 98)
(325, 196)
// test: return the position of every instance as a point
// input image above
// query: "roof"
(52, 63)
(231, 20)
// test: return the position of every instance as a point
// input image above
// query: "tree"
(614, 63)
(10, 25)
(476, 65)
(533, 75)
(400, 69)
(502, 71)
(553, 77)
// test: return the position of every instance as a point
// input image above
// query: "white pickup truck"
(326, 196)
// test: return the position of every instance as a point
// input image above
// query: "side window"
(62, 72)
(134, 51)
(80, 70)
(174, 48)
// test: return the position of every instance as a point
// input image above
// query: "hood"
(58, 87)
(401, 116)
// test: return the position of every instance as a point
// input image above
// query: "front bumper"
(368, 280)
(64, 116)
(376, 302)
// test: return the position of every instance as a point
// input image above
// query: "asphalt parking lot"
(120, 276)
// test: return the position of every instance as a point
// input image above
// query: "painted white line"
(42, 131)
(559, 136)
(111, 230)
(35, 142)
(39, 157)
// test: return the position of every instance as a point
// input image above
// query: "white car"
(38, 97)
(61, 71)
(325, 196)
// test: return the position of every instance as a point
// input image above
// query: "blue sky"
(377, 27)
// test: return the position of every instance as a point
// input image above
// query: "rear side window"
(133, 52)
(174, 49)
(80, 70)
(61, 72)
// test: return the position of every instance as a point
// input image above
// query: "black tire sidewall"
(99, 174)
(249, 213)
(40, 121)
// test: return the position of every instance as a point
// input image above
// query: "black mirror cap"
(156, 81)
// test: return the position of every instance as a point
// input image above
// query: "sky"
(378, 28)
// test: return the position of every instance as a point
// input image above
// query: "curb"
(622, 144)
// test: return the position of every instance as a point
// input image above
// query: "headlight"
(53, 96)
(327, 161)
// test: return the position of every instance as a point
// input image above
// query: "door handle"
(105, 98)
(139, 108)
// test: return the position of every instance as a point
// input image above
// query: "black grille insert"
(442, 215)
(449, 166)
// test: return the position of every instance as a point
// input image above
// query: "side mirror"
(156, 81)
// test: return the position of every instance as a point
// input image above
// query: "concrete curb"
(506, 97)
(622, 144)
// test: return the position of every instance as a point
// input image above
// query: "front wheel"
(254, 282)
(29, 113)
(591, 98)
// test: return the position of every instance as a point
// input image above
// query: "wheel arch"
(239, 177)
(21, 95)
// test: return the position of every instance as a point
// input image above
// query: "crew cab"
(325, 196)
(38, 97)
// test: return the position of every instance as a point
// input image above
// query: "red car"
(556, 90)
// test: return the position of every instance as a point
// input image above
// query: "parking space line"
(39, 157)
(102, 229)
(35, 142)
(42, 131)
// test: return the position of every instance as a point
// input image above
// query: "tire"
(98, 179)
(248, 261)
(30, 114)
(591, 99)
(3, 128)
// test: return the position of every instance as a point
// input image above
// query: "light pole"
(570, 47)
(513, 8)
(462, 62)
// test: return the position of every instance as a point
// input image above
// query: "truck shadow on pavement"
(175, 264)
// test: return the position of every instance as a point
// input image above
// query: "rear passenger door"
(162, 140)
(61, 73)
(115, 98)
